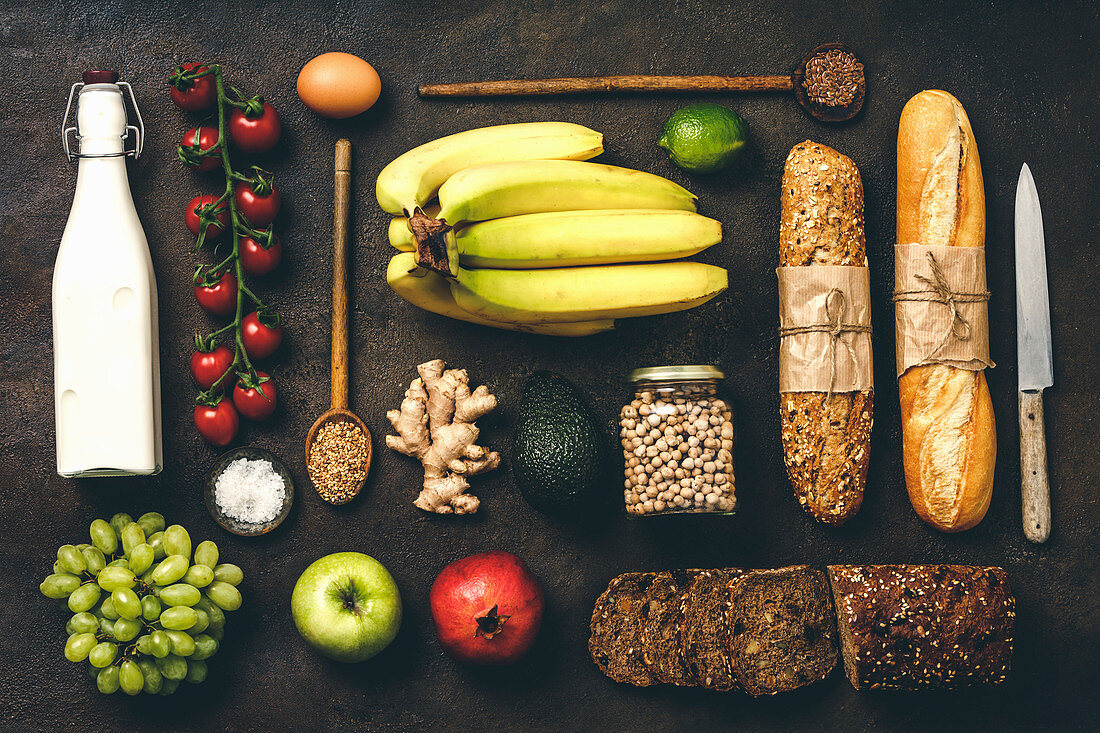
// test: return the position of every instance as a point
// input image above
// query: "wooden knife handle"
(341, 202)
(586, 84)
(1034, 484)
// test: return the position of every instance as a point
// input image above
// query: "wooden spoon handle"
(585, 84)
(340, 276)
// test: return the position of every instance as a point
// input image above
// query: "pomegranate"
(487, 608)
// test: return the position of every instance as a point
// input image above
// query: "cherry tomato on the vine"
(194, 221)
(219, 299)
(260, 341)
(199, 93)
(207, 140)
(258, 261)
(250, 402)
(208, 366)
(259, 210)
(217, 424)
(255, 134)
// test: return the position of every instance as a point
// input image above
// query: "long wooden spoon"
(339, 411)
(817, 100)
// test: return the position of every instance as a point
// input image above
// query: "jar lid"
(682, 373)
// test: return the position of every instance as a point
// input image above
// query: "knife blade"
(1033, 349)
(1034, 356)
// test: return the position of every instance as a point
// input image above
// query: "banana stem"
(434, 249)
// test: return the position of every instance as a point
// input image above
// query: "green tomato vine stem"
(240, 355)
(241, 364)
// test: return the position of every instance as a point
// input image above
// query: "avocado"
(559, 455)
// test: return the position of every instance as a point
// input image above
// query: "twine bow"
(836, 306)
(939, 291)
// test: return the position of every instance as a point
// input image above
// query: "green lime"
(703, 138)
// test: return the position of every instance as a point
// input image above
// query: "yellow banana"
(412, 179)
(567, 294)
(571, 238)
(429, 291)
(400, 236)
(495, 190)
(597, 237)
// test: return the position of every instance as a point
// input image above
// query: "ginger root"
(436, 426)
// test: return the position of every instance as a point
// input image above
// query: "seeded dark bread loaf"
(949, 438)
(782, 629)
(662, 649)
(923, 626)
(705, 629)
(615, 643)
(826, 444)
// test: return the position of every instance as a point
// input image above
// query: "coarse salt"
(250, 491)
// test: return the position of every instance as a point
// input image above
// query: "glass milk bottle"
(106, 362)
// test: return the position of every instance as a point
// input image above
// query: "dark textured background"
(1026, 74)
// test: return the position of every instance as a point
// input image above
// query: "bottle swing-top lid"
(96, 77)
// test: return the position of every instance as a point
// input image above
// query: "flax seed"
(337, 461)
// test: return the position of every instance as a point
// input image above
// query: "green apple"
(347, 606)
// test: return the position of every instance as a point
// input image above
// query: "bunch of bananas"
(527, 236)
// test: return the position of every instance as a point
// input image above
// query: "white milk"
(106, 361)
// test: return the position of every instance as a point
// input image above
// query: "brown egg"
(338, 85)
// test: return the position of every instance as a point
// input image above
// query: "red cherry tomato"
(251, 403)
(219, 424)
(259, 210)
(219, 299)
(208, 139)
(194, 222)
(259, 341)
(255, 134)
(208, 366)
(258, 261)
(199, 93)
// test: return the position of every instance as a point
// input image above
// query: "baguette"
(826, 442)
(948, 431)
(916, 627)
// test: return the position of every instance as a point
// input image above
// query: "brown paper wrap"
(825, 329)
(941, 307)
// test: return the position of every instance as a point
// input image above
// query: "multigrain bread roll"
(948, 432)
(826, 443)
(914, 627)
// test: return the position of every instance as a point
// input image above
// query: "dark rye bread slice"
(662, 650)
(705, 629)
(615, 643)
(782, 629)
(915, 627)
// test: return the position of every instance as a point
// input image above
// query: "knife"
(1033, 353)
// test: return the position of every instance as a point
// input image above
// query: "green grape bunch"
(147, 610)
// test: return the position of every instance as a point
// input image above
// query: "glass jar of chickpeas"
(677, 438)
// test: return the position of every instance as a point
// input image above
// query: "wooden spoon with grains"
(829, 84)
(338, 446)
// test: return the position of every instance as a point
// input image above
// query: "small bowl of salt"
(249, 492)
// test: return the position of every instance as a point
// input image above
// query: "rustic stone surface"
(1014, 68)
